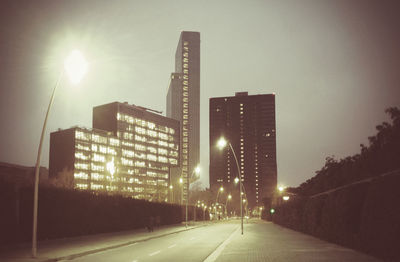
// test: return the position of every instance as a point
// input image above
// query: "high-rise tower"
(183, 104)
(248, 123)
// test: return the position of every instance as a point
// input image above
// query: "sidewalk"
(68, 248)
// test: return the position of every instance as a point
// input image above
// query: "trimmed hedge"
(66, 213)
(363, 216)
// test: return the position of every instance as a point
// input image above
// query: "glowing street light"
(75, 67)
(281, 188)
(286, 198)
(236, 180)
(221, 144)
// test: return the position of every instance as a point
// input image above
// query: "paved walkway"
(60, 249)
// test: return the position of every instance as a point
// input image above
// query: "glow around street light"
(281, 188)
(75, 66)
(221, 143)
(221, 189)
(229, 196)
(180, 180)
(197, 170)
(236, 180)
(286, 198)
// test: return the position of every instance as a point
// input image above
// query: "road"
(262, 241)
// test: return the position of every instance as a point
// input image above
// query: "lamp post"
(221, 144)
(221, 189)
(181, 182)
(75, 66)
(229, 197)
(197, 171)
(171, 192)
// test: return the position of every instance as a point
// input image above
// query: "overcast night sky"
(334, 66)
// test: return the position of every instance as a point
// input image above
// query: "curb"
(73, 256)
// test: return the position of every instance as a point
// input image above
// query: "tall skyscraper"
(183, 104)
(248, 123)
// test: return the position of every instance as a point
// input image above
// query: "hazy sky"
(334, 66)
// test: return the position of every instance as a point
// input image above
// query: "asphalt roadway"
(261, 241)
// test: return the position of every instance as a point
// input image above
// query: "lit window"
(162, 159)
(99, 158)
(81, 175)
(81, 186)
(103, 149)
(82, 147)
(127, 153)
(140, 147)
(97, 176)
(80, 155)
(163, 136)
(111, 151)
(95, 167)
(82, 135)
(99, 139)
(96, 186)
(81, 166)
(152, 149)
(151, 157)
(152, 133)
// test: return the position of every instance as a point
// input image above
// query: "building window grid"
(83, 136)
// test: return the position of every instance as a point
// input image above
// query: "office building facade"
(129, 151)
(248, 123)
(183, 104)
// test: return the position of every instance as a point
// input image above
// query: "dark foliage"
(364, 216)
(380, 156)
(66, 213)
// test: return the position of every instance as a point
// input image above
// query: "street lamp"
(197, 171)
(221, 189)
(181, 182)
(75, 66)
(229, 197)
(221, 144)
(171, 193)
(286, 198)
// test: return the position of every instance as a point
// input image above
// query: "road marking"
(155, 253)
(171, 246)
(132, 244)
(214, 255)
(135, 261)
